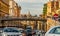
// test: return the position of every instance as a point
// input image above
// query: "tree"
(45, 9)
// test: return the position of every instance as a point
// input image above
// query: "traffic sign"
(56, 16)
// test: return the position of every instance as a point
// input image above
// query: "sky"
(35, 7)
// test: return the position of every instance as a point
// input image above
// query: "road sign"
(56, 16)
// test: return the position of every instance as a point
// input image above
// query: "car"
(54, 31)
(28, 31)
(10, 31)
(21, 30)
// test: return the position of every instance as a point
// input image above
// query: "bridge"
(23, 19)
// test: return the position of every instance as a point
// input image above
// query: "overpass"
(23, 19)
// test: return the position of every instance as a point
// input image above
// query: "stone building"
(4, 8)
(14, 9)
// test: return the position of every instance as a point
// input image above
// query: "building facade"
(18, 11)
(14, 9)
(49, 9)
(52, 7)
(9, 8)
(4, 8)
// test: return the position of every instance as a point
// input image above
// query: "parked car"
(54, 31)
(10, 31)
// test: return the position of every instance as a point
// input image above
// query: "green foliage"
(45, 9)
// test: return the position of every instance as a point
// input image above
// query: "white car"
(10, 31)
(54, 31)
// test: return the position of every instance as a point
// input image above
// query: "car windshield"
(10, 30)
(28, 30)
(55, 30)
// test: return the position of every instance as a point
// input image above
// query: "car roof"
(52, 28)
(55, 26)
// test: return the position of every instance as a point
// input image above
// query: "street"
(29, 17)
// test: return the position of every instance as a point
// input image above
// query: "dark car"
(28, 31)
